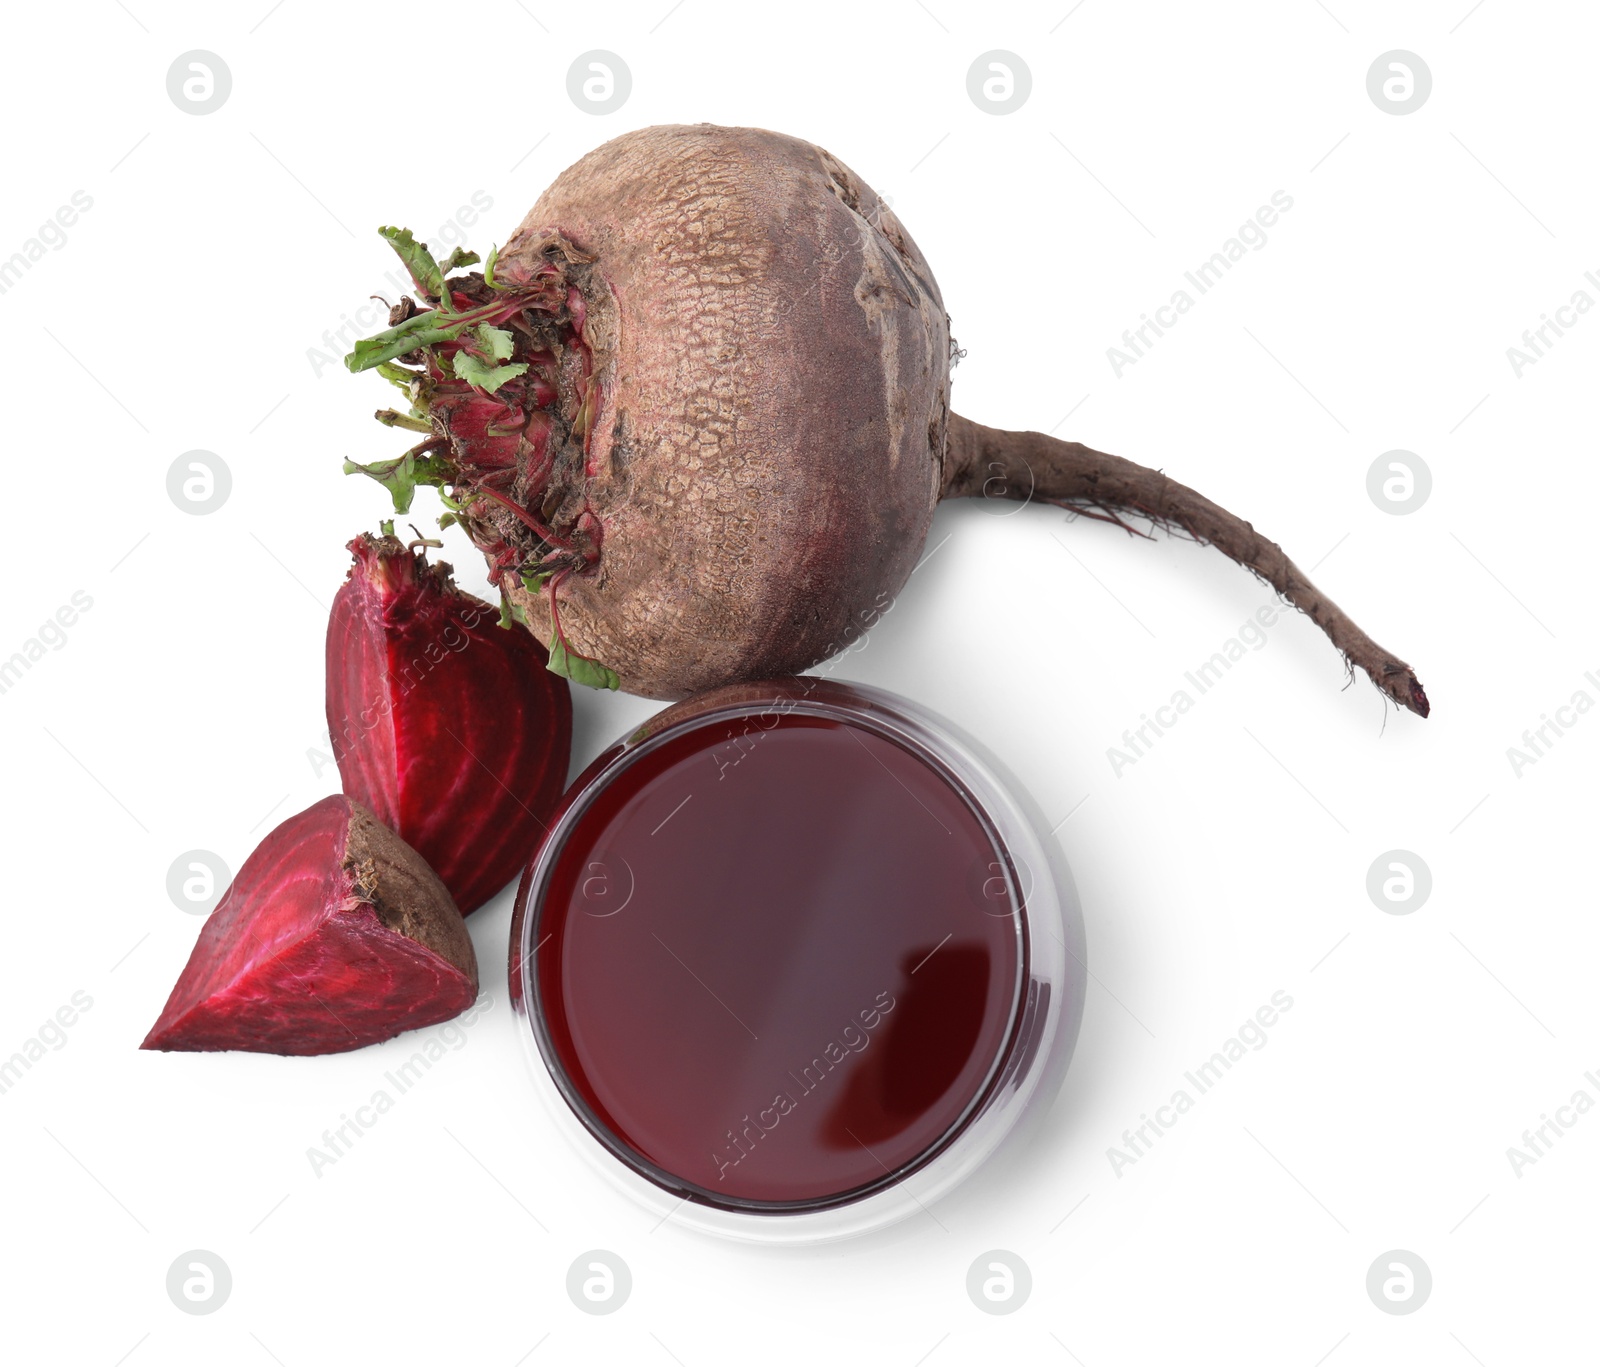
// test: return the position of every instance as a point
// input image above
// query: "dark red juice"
(777, 961)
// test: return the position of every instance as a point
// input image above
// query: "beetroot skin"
(696, 414)
(447, 725)
(334, 935)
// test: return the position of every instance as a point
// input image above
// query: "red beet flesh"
(334, 935)
(447, 725)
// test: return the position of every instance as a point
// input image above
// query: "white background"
(1227, 864)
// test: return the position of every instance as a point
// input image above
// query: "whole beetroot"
(447, 725)
(696, 413)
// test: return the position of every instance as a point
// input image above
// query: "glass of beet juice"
(793, 961)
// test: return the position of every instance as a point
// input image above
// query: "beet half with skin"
(334, 935)
(696, 414)
(445, 723)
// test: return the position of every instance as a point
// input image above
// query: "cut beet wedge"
(447, 725)
(335, 934)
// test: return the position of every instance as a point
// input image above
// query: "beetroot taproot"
(446, 724)
(696, 413)
(335, 934)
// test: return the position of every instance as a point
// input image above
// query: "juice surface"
(778, 965)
